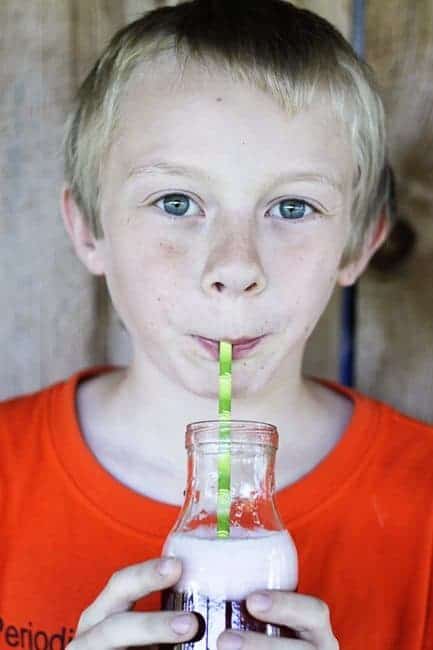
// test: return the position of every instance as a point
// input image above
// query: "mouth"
(241, 347)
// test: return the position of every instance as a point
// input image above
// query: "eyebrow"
(191, 172)
(167, 168)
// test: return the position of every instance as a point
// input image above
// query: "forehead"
(205, 110)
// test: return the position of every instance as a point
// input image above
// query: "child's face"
(243, 252)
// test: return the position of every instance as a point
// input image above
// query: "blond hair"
(288, 52)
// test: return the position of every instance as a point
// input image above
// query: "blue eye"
(176, 205)
(293, 209)
(181, 205)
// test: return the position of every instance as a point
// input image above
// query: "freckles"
(170, 250)
(167, 248)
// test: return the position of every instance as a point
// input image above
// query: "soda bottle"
(259, 553)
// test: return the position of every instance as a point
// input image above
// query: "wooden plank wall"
(396, 303)
(56, 317)
(46, 298)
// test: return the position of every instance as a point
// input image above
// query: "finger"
(308, 616)
(137, 629)
(128, 585)
(255, 641)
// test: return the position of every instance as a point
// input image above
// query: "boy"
(223, 171)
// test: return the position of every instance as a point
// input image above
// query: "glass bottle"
(219, 573)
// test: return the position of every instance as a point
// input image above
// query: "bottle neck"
(250, 453)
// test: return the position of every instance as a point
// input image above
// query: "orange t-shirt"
(362, 522)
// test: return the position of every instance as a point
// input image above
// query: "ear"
(88, 249)
(374, 238)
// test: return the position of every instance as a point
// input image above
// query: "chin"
(247, 380)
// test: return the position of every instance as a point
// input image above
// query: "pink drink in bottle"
(219, 573)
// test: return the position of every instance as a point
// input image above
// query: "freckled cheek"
(146, 284)
(171, 250)
(322, 276)
(161, 268)
(147, 258)
(172, 260)
(306, 277)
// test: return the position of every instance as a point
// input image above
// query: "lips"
(241, 347)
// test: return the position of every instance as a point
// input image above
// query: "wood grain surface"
(395, 346)
(46, 297)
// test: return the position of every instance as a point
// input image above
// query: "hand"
(307, 616)
(108, 622)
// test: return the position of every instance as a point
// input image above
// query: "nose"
(234, 268)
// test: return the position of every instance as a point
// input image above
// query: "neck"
(162, 407)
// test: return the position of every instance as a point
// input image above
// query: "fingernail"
(230, 642)
(181, 624)
(260, 602)
(166, 566)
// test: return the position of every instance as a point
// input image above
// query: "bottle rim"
(241, 432)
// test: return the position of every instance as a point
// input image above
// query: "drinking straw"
(225, 405)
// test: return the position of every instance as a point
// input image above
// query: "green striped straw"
(225, 406)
